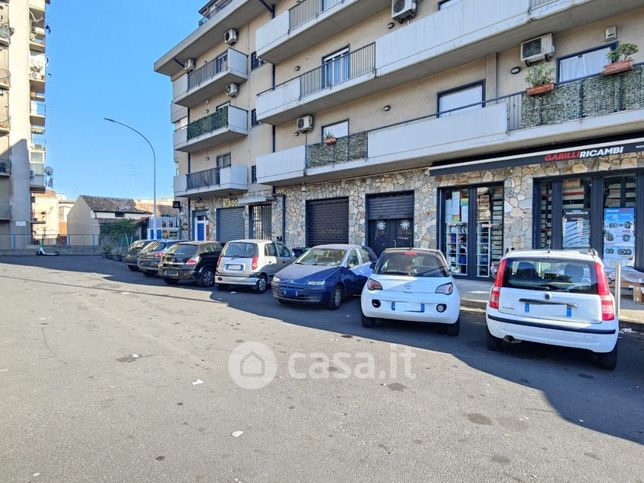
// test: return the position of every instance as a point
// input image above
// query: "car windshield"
(331, 257)
(412, 264)
(240, 250)
(552, 275)
(184, 250)
(154, 246)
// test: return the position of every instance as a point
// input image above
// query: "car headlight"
(317, 283)
(276, 279)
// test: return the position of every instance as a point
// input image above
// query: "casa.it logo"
(588, 153)
(252, 365)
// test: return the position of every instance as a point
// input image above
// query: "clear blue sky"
(101, 55)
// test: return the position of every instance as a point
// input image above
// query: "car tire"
(368, 322)
(453, 329)
(222, 287)
(337, 295)
(133, 268)
(207, 277)
(608, 360)
(171, 281)
(262, 284)
(148, 273)
(493, 343)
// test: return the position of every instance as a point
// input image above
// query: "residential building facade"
(22, 117)
(403, 123)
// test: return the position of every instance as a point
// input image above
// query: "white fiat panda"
(554, 297)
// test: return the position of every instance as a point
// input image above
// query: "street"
(109, 375)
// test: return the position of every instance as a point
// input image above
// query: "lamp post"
(154, 162)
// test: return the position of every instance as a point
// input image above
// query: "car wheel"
(222, 286)
(336, 297)
(453, 329)
(368, 322)
(262, 284)
(134, 268)
(148, 273)
(207, 277)
(608, 360)
(171, 281)
(493, 343)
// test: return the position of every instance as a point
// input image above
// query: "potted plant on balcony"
(541, 79)
(621, 59)
(329, 138)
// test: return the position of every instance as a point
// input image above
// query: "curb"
(623, 323)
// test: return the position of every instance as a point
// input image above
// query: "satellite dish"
(49, 170)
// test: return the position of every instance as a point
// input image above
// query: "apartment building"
(22, 117)
(407, 123)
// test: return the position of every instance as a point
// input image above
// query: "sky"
(101, 56)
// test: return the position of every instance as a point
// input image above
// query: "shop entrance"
(471, 229)
(390, 221)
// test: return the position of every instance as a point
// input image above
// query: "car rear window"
(184, 250)
(240, 250)
(552, 275)
(412, 264)
(136, 245)
(152, 247)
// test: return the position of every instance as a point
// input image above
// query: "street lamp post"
(154, 163)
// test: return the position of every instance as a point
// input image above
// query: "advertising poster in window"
(619, 236)
(576, 229)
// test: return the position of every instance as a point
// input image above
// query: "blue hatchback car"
(325, 275)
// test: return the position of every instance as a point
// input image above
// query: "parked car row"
(552, 297)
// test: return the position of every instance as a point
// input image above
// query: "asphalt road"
(107, 375)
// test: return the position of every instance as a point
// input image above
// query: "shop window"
(489, 229)
(545, 216)
(575, 196)
(583, 64)
(619, 220)
(462, 99)
(456, 229)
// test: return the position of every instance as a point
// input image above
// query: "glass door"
(575, 196)
(335, 68)
(456, 215)
(489, 229)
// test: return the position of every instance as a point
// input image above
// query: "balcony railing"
(214, 10)
(5, 121)
(37, 36)
(203, 179)
(308, 10)
(37, 108)
(207, 71)
(5, 78)
(217, 120)
(539, 3)
(5, 32)
(348, 148)
(37, 169)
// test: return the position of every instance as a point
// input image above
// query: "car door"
(285, 256)
(353, 264)
(271, 259)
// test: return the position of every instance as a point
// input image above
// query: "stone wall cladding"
(518, 185)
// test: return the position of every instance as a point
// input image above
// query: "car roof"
(570, 254)
(200, 242)
(338, 246)
(251, 240)
(404, 250)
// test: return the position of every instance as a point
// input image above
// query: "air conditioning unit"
(232, 89)
(305, 124)
(401, 10)
(231, 36)
(189, 65)
(537, 49)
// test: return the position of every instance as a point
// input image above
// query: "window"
(583, 64)
(337, 130)
(353, 260)
(283, 251)
(462, 99)
(253, 174)
(253, 118)
(270, 250)
(256, 62)
(119, 214)
(447, 3)
(335, 68)
(366, 256)
(554, 275)
(223, 161)
(221, 62)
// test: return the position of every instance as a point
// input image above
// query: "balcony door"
(461, 99)
(335, 68)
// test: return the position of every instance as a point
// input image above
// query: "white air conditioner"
(189, 65)
(403, 9)
(231, 36)
(232, 89)
(537, 49)
(305, 124)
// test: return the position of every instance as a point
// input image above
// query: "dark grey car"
(150, 257)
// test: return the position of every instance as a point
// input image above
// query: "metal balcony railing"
(212, 122)
(203, 179)
(348, 148)
(37, 169)
(308, 10)
(208, 71)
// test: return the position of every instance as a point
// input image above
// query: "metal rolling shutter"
(327, 221)
(390, 206)
(230, 224)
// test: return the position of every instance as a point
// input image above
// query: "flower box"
(542, 89)
(618, 67)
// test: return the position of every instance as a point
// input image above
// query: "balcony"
(211, 78)
(5, 212)
(37, 113)
(37, 39)
(221, 17)
(342, 80)
(309, 22)
(5, 166)
(226, 180)
(581, 109)
(37, 73)
(464, 32)
(224, 125)
(5, 79)
(5, 122)
(37, 177)
(5, 33)
(37, 5)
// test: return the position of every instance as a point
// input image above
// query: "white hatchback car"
(413, 285)
(554, 297)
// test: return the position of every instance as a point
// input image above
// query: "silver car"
(251, 263)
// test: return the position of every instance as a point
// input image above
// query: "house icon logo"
(252, 365)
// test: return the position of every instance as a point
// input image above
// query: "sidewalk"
(475, 293)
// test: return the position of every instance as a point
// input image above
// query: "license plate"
(407, 307)
(171, 273)
(548, 311)
(290, 293)
(234, 267)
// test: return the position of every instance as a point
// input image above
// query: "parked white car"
(413, 285)
(559, 298)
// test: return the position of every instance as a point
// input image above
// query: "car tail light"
(192, 261)
(158, 254)
(254, 263)
(603, 290)
(373, 285)
(446, 288)
(495, 293)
